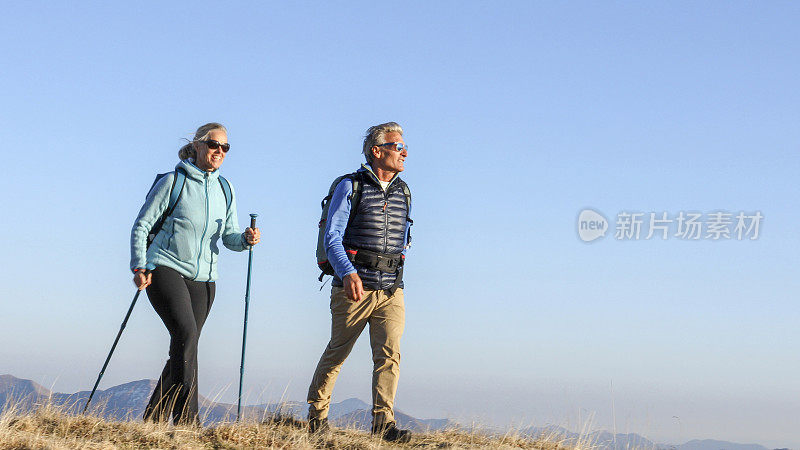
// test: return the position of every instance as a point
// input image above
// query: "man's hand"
(252, 236)
(141, 280)
(353, 287)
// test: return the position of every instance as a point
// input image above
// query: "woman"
(179, 268)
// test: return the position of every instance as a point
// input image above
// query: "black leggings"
(183, 306)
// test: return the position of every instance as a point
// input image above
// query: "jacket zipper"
(385, 218)
(385, 223)
(205, 227)
(385, 230)
(385, 204)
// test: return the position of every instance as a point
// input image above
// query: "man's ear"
(376, 151)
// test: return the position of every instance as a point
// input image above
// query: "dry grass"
(48, 427)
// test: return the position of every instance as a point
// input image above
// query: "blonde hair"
(202, 133)
(376, 135)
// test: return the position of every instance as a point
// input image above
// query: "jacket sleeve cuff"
(348, 272)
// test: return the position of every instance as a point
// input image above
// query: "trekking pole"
(114, 346)
(246, 307)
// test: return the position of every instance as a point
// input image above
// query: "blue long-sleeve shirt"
(336, 224)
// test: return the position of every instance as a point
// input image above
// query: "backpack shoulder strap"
(358, 187)
(226, 189)
(407, 193)
(175, 192)
(355, 196)
(174, 195)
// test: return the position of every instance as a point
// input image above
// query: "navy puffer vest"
(378, 226)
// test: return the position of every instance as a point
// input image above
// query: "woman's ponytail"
(187, 152)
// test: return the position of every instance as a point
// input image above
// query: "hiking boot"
(318, 425)
(390, 433)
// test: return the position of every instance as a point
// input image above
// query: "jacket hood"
(195, 172)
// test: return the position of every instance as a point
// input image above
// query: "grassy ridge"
(49, 427)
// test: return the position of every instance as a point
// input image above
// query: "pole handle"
(253, 221)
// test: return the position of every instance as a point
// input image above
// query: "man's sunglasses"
(399, 146)
(213, 145)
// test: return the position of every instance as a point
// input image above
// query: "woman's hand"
(252, 236)
(142, 279)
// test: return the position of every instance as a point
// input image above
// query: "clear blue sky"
(518, 116)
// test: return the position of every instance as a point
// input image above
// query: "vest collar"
(368, 169)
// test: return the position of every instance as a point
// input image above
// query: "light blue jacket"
(188, 240)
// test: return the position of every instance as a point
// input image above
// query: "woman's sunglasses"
(213, 145)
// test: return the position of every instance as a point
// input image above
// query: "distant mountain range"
(608, 441)
(127, 401)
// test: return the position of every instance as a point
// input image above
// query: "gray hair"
(202, 133)
(376, 135)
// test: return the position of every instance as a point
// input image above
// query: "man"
(366, 246)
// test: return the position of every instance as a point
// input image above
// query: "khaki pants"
(386, 317)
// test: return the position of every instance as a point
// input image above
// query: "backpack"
(358, 184)
(175, 194)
